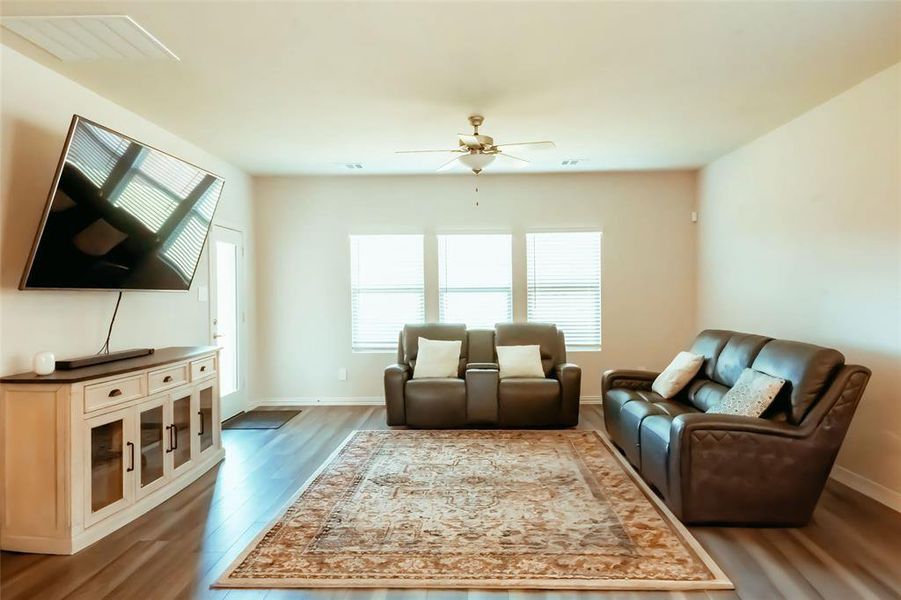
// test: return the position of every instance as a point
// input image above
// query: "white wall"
(303, 225)
(800, 238)
(37, 106)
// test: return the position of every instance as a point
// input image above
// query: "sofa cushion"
(674, 408)
(738, 354)
(710, 343)
(437, 358)
(654, 441)
(677, 374)
(528, 402)
(543, 335)
(751, 395)
(434, 331)
(435, 402)
(630, 418)
(807, 370)
(703, 393)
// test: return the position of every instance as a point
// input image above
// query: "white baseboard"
(349, 401)
(867, 487)
(320, 401)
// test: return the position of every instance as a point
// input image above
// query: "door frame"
(235, 402)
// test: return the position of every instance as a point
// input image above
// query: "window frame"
(443, 289)
(600, 287)
(390, 347)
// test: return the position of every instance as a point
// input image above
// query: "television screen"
(121, 216)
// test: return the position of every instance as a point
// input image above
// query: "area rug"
(476, 509)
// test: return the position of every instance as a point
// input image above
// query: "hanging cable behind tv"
(104, 355)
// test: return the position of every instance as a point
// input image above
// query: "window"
(387, 288)
(564, 284)
(475, 279)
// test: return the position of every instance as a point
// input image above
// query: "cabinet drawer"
(163, 379)
(100, 395)
(203, 367)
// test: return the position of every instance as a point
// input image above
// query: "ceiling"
(302, 88)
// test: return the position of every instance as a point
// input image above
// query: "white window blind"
(387, 288)
(564, 284)
(475, 279)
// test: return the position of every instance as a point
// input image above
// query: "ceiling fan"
(477, 151)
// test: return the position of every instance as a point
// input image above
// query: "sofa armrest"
(396, 376)
(570, 378)
(725, 467)
(482, 365)
(630, 379)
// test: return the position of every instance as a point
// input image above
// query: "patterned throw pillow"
(750, 396)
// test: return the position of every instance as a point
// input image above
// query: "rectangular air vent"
(571, 162)
(353, 165)
(84, 37)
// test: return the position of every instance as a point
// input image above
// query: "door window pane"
(181, 421)
(227, 315)
(152, 450)
(206, 418)
(106, 465)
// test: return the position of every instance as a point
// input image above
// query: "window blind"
(564, 284)
(387, 288)
(475, 284)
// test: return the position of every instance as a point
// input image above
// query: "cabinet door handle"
(200, 414)
(174, 435)
(131, 448)
(115, 392)
(169, 435)
(167, 378)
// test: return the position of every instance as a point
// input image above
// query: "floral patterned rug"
(476, 509)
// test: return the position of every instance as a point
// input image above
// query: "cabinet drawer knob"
(115, 392)
(167, 378)
(202, 368)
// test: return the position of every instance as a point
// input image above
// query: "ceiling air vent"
(571, 162)
(83, 37)
(353, 165)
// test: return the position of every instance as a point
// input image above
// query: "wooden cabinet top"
(160, 357)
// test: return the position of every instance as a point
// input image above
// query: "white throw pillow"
(519, 361)
(677, 375)
(750, 396)
(437, 358)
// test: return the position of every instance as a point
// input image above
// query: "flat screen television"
(121, 215)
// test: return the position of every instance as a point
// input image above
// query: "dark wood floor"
(852, 548)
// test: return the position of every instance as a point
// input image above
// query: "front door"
(227, 315)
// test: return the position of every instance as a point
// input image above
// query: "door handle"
(169, 435)
(131, 448)
(173, 433)
(200, 414)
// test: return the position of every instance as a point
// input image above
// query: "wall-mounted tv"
(121, 216)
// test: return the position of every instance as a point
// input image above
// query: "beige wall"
(37, 106)
(304, 273)
(800, 237)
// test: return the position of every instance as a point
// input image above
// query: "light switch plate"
(342, 374)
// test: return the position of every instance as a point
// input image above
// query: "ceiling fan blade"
(517, 162)
(448, 165)
(545, 145)
(420, 151)
(469, 141)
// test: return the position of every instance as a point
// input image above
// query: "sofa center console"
(85, 451)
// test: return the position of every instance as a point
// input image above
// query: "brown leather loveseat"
(477, 396)
(713, 468)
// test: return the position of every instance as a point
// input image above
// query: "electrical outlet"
(342, 374)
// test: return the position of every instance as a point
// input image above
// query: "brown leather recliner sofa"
(712, 468)
(477, 396)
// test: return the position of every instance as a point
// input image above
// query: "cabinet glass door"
(205, 416)
(110, 458)
(181, 429)
(151, 438)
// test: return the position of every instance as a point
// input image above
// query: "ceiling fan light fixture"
(476, 161)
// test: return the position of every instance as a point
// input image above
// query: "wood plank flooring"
(851, 549)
